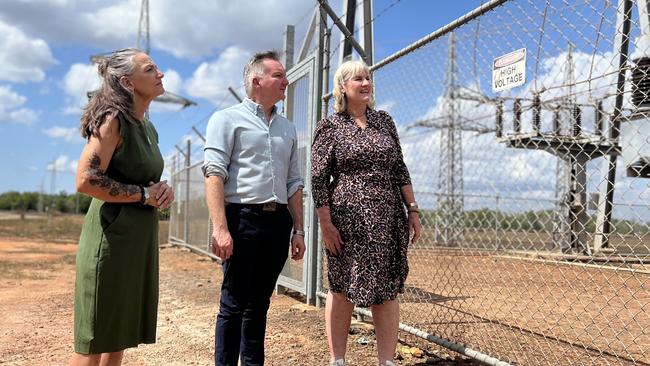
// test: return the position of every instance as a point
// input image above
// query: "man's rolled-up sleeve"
(294, 180)
(219, 141)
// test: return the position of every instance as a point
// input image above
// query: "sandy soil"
(37, 281)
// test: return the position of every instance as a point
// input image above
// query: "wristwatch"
(144, 192)
(298, 232)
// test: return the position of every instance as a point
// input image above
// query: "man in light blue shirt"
(254, 196)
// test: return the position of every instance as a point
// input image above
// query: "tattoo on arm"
(98, 178)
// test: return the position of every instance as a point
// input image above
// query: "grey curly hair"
(113, 97)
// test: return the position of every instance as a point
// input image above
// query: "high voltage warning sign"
(509, 70)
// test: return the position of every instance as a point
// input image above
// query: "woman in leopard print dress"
(362, 192)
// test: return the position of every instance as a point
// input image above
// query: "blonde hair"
(345, 72)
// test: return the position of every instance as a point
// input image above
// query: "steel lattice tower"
(563, 119)
(450, 181)
(143, 41)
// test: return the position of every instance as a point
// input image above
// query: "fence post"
(186, 229)
(289, 35)
(497, 222)
(172, 180)
(315, 279)
(606, 197)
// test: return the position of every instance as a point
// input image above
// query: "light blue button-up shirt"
(258, 161)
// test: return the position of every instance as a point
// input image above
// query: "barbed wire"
(356, 29)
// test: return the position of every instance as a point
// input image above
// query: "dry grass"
(55, 229)
(65, 228)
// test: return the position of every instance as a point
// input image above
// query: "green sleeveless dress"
(116, 289)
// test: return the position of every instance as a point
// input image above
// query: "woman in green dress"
(116, 288)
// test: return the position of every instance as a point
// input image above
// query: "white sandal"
(339, 362)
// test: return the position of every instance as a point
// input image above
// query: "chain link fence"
(535, 198)
(536, 218)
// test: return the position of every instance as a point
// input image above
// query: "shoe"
(339, 362)
(388, 363)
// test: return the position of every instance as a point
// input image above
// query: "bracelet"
(142, 198)
(413, 207)
(298, 232)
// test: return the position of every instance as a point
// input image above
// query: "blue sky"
(45, 47)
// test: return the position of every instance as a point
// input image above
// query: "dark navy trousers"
(260, 249)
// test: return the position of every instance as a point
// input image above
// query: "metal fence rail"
(536, 211)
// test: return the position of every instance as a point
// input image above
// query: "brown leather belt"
(269, 206)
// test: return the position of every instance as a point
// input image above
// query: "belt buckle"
(269, 206)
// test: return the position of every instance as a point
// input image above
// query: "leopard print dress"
(358, 173)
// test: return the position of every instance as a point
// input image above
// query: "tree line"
(531, 221)
(42, 202)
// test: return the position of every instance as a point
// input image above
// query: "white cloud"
(82, 78)
(172, 81)
(68, 134)
(10, 107)
(23, 59)
(77, 82)
(10, 99)
(212, 79)
(117, 22)
(197, 28)
(71, 21)
(210, 25)
(63, 164)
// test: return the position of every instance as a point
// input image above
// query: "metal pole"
(578, 209)
(350, 11)
(326, 70)
(234, 94)
(186, 230)
(315, 280)
(348, 35)
(323, 113)
(289, 36)
(172, 182)
(606, 196)
(308, 36)
(368, 39)
(497, 223)
(198, 133)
